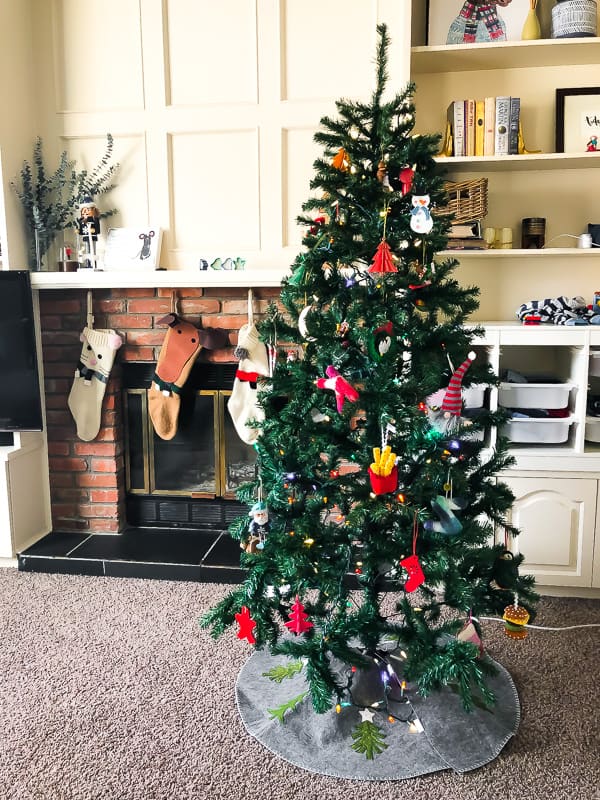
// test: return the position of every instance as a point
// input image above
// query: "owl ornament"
(420, 216)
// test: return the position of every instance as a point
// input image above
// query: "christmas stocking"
(175, 361)
(91, 376)
(243, 404)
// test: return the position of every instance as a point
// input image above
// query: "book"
(502, 123)
(456, 118)
(479, 127)
(464, 230)
(489, 134)
(469, 127)
(467, 244)
(513, 126)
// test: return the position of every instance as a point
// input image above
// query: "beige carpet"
(109, 689)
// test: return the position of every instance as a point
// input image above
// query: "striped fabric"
(452, 402)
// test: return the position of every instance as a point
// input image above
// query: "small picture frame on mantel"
(133, 248)
(578, 119)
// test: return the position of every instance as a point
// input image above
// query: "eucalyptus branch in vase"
(51, 201)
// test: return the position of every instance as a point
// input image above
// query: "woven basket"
(574, 18)
(467, 200)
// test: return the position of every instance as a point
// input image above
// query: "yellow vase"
(531, 28)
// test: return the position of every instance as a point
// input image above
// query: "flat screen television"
(20, 401)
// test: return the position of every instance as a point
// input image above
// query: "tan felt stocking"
(91, 376)
(176, 359)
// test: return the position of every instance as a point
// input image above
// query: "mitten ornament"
(91, 376)
(243, 405)
(175, 361)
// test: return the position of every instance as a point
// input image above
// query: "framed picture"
(446, 24)
(578, 119)
(132, 248)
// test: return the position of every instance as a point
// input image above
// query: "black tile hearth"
(187, 555)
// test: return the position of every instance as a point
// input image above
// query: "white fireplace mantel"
(168, 278)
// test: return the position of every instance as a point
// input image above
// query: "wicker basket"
(467, 200)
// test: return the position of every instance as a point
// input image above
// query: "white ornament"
(420, 216)
(366, 715)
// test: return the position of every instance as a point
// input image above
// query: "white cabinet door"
(556, 518)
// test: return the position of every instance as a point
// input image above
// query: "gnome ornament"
(91, 377)
(258, 528)
(444, 406)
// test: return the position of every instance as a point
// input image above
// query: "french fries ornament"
(383, 472)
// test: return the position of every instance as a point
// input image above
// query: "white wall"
(212, 105)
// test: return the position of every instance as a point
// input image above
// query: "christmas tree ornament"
(247, 625)
(420, 216)
(416, 576)
(302, 320)
(342, 389)
(505, 571)
(516, 618)
(91, 376)
(383, 260)
(259, 527)
(444, 508)
(243, 405)
(382, 342)
(383, 472)
(341, 161)
(406, 177)
(298, 618)
(468, 633)
(452, 402)
(444, 406)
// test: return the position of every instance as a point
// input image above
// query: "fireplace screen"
(205, 459)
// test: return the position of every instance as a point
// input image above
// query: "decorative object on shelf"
(533, 233)
(577, 119)
(498, 238)
(133, 248)
(467, 200)
(458, 22)
(51, 200)
(572, 19)
(531, 28)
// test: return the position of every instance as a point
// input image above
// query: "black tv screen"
(20, 402)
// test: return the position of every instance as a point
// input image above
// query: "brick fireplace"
(87, 479)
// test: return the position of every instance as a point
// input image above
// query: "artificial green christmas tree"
(382, 497)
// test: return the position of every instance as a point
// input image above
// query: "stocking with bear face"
(91, 376)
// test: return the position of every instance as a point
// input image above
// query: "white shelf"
(504, 55)
(525, 163)
(516, 252)
(169, 278)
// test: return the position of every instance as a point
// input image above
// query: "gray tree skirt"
(451, 739)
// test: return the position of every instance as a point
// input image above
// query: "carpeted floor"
(109, 689)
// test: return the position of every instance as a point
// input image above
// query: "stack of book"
(488, 127)
(466, 236)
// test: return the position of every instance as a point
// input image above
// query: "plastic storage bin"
(594, 364)
(473, 395)
(552, 430)
(534, 395)
(592, 429)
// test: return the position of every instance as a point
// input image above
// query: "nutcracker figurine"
(88, 226)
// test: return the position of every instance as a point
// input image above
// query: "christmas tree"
(382, 496)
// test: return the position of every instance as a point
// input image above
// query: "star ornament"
(247, 625)
(366, 715)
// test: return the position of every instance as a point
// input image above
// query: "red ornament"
(382, 484)
(382, 260)
(406, 179)
(247, 624)
(298, 618)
